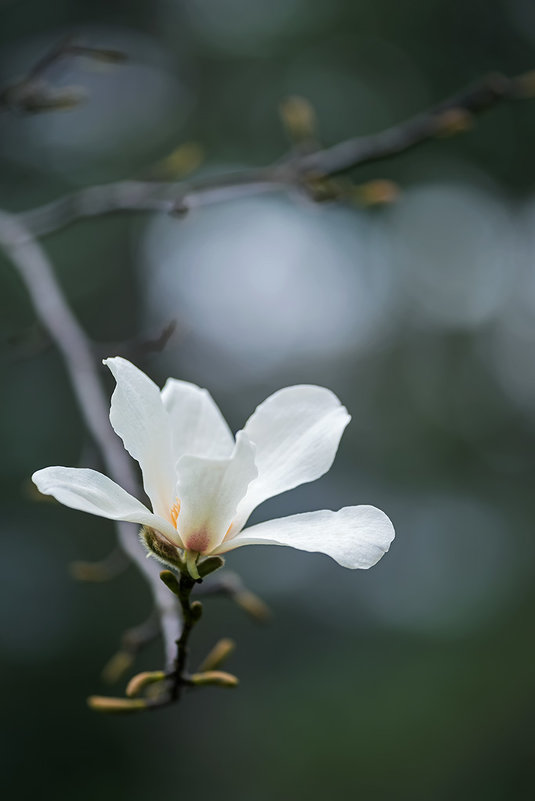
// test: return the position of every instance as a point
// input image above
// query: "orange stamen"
(228, 531)
(174, 512)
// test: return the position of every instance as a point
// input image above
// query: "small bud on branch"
(142, 680)
(217, 678)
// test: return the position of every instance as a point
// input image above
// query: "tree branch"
(293, 174)
(32, 93)
(52, 310)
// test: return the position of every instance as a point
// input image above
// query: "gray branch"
(52, 310)
(293, 174)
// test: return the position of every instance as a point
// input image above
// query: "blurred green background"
(415, 680)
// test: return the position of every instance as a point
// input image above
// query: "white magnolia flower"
(203, 483)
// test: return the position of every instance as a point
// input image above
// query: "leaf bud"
(170, 581)
(163, 550)
(196, 610)
(219, 654)
(101, 703)
(117, 666)
(141, 680)
(216, 678)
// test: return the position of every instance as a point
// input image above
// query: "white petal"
(97, 494)
(139, 417)
(209, 491)
(296, 433)
(198, 426)
(355, 536)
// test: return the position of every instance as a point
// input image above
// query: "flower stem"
(191, 613)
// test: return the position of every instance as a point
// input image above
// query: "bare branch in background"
(230, 585)
(104, 570)
(297, 173)
(33, 93)
(34, 341)
(132, 642)
(138, 347)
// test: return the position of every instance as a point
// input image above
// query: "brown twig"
(132, 642)
(102, 570)
(170, 685)
(231, 586)
(32, 93)
(296, 173)
(138, 347)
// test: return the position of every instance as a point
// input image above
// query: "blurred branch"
(32, 93)
(137, 347)
(132, 641)
(104, 570)
(56, 317)
(231, 585)
(299, 172)
(449, 117)
(34, 341)
(27, 344)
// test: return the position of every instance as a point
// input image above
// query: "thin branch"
(32, 93)
(231, 586)
(292, 174)
(138, 347)
(166, 687)
(52, 310)
(160, 196)
(102, 570)
(133, 640)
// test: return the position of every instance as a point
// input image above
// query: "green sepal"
(170, 581)
(209, 565)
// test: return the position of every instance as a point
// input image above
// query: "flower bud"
(454, 121)
(196, 610)
(253, 605)
(171, 581)
(141, 680)
(299, 118)
(117, 666)
(217, 678)
(219, 654)
(116, 705)
(161, 548)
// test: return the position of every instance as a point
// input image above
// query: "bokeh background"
(416, 679)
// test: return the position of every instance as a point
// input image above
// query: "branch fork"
(166, 687)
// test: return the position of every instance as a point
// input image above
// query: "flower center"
(174, 512)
